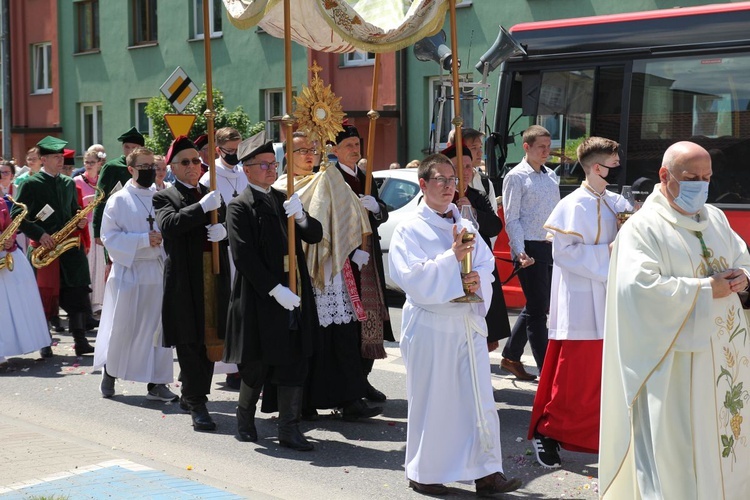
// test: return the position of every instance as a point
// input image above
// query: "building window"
(41, 58)
(214, 20)
(359, 58)
(87, 14)
(143, 123)
(144, 22)
(274, 110)
(445, 94)
(91, 124)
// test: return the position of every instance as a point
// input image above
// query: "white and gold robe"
(676, 367)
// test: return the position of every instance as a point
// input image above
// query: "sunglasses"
(187, 161)
(264, 165)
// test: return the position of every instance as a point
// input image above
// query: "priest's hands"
(154, 238)
(460, 249)
(471, 280)
(293, 207)
(285, 297)
(211, 201)
(216, 232)
(361, 258)
(370, 203)
(728, 282)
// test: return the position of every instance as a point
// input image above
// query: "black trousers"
(536, 281)
(257, 373)
(196, 372)
(75, 299)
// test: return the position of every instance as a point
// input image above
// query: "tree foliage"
(158, 106)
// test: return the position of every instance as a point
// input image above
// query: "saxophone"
(42, 257)
(7, 259)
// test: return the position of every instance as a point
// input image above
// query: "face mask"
(610, 171)
(693, 195)
(146, 178)
(231, 159)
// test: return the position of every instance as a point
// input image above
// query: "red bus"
(645, 80)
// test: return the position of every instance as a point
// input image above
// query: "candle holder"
(466, 263)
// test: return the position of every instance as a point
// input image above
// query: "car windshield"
(397, 192)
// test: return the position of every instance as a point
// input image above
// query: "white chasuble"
(453, 431)
(129, 341)
(676, 371)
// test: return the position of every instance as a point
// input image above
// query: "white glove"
(361, 258)
(211, 201)
(293, 206)
(370, 203)
(285, 297)
(216, 232)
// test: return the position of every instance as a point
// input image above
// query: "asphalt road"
(364, 460)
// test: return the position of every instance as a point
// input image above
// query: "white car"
(399, 189)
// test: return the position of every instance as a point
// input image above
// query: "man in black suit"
(271, 328)
(182, 212)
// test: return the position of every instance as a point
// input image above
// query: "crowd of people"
(643, 358)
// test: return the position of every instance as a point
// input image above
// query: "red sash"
(351, 287)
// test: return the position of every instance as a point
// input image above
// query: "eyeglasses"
(445, 181)
(187, 161)
(146, 166)
(264, 165)
(609, 166)
(227, 151)
(5, 172)
(305, 151)
(91, 162)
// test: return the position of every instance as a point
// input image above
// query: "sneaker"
(107, 387)
(160, 392)
(546, 451)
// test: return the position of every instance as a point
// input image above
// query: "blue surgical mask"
(693, 195)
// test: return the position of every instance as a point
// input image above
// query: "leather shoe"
(201, 419)
(374, 395)
(45, 352)
(516, 368)
(496, 483)
(83, 347)
(359, 409)
(428, 489)
(183, 405)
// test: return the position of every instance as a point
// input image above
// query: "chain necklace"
(150, 219)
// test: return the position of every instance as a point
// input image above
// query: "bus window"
(704, 99)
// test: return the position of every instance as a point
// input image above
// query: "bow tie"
(446, 215)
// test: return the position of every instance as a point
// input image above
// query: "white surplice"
(582, 226)
(453, 429)
(129, 340)
(676, 372)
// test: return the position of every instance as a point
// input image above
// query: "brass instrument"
(7, 260)
(42, 257)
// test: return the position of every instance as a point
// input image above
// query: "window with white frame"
(467, 111)
(143, 123)
(41, 59)
(274, 110)
(214, 17)
(359, 58)
(91, 124)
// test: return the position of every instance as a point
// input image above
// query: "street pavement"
(60, 437)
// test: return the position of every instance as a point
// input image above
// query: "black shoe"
(55, 325)
(45, 352)
(233, 381)
(374, 395)
(91, 323)
(359, 409)
(202, 420)
(428, 489)
(246, 430)
(183, 404)
(546, 451)
(496, 483)
(83, 347)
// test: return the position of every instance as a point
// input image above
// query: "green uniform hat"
(132, 136)
(51, 145)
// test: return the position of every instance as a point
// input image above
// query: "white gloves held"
(293, 207)
(370, 203)
(211, 201)
(361, 258)
(216, 232)
(285, 297)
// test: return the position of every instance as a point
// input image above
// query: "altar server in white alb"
(675, 412)
(453, 429)
(129, 342)
(582, 228)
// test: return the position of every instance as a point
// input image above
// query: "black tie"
(446, 215)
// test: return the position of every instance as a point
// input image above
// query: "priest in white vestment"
(676, 347)
(453, 429)
(582, 227)
(129, 341)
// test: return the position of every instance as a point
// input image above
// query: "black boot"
(290, 403)
(246, 430)
(77, 326)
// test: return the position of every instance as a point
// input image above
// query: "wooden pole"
(288, 122)
(210, 114)
(457, 119)
(373, 115)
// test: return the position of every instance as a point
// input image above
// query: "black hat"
(200, 141)
(253, 146)
(69, 156)
(450, 151)
(51, 145)
(181, 143)
(349, 131)
(132, 136)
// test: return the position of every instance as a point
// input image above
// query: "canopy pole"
(373, 115)
(210, 114)
(288, 122)
(457, 119)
